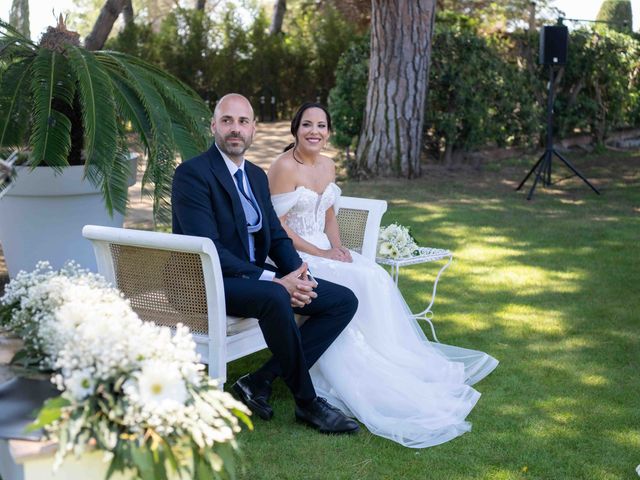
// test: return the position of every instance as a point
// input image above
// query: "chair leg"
(218, 361)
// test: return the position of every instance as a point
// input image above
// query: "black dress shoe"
(254, 396)
(325, 418)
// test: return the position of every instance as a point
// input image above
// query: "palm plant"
(71, 106)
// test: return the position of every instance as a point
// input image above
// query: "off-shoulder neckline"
(299, 187)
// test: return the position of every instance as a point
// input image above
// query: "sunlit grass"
(549, 287)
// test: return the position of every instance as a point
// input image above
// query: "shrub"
(476, 95)
(599, 90)
(348, 98)
(222, 54)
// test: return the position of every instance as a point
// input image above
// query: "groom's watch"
(310, 277)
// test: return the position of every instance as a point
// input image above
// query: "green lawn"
(550, 287)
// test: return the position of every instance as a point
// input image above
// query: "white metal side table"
(426, 255)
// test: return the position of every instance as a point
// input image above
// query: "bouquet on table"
(395, 241)
(130, 388)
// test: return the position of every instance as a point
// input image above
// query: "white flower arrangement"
(130, 388)
(395, 241)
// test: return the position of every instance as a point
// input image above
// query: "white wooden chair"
(172, 279)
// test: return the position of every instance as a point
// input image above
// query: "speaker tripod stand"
(542, 167)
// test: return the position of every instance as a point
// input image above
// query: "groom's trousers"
(295, 349)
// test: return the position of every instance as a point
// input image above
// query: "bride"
(382, 369)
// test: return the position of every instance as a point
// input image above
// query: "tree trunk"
(19, 17)
(102, 28)
(532, 16)
(279, 7)
(127, 13)
(200, 4)
(600, 117)
(529, 53)
(391, 138)
(573, 93)
(448, 154)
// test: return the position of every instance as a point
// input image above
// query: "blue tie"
(239, 176)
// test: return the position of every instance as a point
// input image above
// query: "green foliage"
(14, 84)
(52, 92)
(476, 96)
(218, 54)
(347, 99)
(136, 39)
(595, 92)
(330, 35)
(600, 88)
(490, 89)
(517, 110)
(50, 412)
(486, 87)
(492, 16)
(619, 13)
(71, 106)
(179, 47)
(276, 65)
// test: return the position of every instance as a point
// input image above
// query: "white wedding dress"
(382, 369)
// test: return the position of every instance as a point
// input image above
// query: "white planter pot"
(42, 215)
(23, 460)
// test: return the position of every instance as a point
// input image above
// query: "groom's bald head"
(233, 98)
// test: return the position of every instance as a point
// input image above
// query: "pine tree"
(19, 17)
(619, 13)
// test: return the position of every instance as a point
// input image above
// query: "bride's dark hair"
(297, 120)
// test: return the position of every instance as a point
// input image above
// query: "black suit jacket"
(206, 203)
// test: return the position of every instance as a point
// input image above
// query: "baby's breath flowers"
(395, 241)
(131, 388)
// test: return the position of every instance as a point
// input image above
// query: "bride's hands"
(340, 254)
(347, 254)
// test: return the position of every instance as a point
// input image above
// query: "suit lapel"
(221, 172)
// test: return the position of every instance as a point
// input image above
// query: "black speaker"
(554, 43)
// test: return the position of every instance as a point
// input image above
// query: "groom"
(220, 195)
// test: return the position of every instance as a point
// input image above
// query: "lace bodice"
(305, 209)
